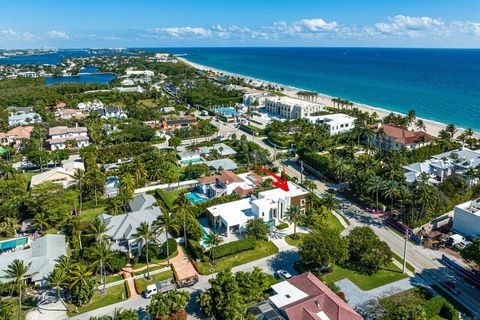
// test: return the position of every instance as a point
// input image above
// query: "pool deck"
(233, 237)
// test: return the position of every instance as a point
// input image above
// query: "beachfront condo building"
(336, 123)
(291, 108)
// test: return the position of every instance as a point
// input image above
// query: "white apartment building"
(291, 108)
(270, 206)
(466, 218)
(61, 136)
(336, 123)
(256, 99)
(145, 73)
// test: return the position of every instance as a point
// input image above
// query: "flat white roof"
(230, 208)
(277, 193)
(293, 101)
(286, 293)
(337, 117)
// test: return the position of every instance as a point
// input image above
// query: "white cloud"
(58, 35)
(409, 26)
(178, 32)
(315, 25)
(10, 34)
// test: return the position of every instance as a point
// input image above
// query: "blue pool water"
(226, 111)
(195, 197)
(205, 237)
(12, 243)
(193, 161)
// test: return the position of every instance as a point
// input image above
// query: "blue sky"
(162, 23)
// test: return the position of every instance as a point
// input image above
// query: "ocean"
(440, 84)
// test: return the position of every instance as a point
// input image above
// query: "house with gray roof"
(42, 254)
(222, 149)
(442, 165)
(222, 164)
(122, 228)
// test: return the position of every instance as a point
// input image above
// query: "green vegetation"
(230, 248)
(90, 214)
(282, 226)
(169, 197)
(400, 259)
(112, 295)
(295, 241)
(143, 283)
(419, 302)
(389, 273)
(262, 249)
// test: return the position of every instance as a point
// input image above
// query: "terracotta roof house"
(173, 124)
(15, 135)
(305, 297)
(392, 137)
(227, 182)
(69, 114)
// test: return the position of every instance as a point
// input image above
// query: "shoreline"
(432, 127)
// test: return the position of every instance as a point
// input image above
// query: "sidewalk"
(127, 275)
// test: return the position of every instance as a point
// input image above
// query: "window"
(302, 202)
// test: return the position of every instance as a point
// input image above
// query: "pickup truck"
(160, 286)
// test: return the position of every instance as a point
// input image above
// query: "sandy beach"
(432, 127)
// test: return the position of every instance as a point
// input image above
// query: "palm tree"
(310, 185)
(420, 125)
(391, 190)
(330, 202)
(374, 185)
(146, 235)
(18, 272)
(79, 274)
(97, 229)
(127, 184)
(212, 242)
(102, 254)
(183, 207)
(56, 280)
(113, 206)
(79, 176)
(40, 221)
(471, 174)
(294, 215)
(165, 223)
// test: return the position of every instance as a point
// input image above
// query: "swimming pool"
(205, 237)
(227, 111)
(192, 161)
(195, 197)
(12, 243)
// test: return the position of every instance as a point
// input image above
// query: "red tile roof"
(243, 192)
(320, 298)
(20, 132)
(402, 136)
(208, 179)
(227, 177)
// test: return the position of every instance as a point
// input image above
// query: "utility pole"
(301, 172)
(404, 270)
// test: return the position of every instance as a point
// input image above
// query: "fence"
(465, 273)
(402, 229)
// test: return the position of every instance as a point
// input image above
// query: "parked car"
(450, 286)
(462, 245)
(283, 274)
(454, 239)
(159, 286)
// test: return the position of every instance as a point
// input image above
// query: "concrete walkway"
(128, 276)
(357, 297)
(138, 276)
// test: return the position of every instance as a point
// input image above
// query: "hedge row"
(439, 306)
(282, 226)
(195, 249)
(226, 249)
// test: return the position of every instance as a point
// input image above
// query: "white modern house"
(61, 136)
(336, 123)
(137, 89)
(42, 254)
(256, 98)
(291, 108)
(270, 206)
(466, 218)
(227, 182)
(94, 105)
(122, 228)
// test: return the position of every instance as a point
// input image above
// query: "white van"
(151, 290)
(455, 239)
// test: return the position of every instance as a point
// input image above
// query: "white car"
(151, 290)
(284, 274)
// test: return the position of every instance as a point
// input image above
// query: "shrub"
(153, 251)
(172, 249)
(195, 249)
(448, 311)
(433, 306)
(234, 247)
(282, 226)
(117, 262)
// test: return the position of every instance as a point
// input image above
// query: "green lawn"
(113, 278)
(157, 261)
(263, 249)
(334, 223)
(169, 197)
(143, 283)
(112, 295)
(365, 282)
(29, 174)
(14, 315)
(294, 241)
(90, 214)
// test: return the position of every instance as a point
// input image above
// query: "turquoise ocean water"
(440, 84)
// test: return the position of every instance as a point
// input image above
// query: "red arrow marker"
(279, 182)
